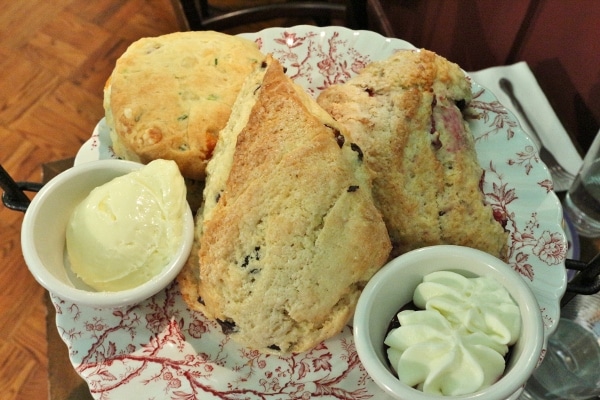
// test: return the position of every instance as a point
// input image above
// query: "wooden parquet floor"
(54, 59)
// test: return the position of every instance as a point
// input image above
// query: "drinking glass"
(582, 201)
(571, 366)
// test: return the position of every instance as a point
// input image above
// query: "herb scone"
(169, 96)
(405, 113)
(289, 232)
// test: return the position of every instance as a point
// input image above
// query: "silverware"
(561, 177)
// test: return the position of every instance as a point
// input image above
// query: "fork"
(562, 178)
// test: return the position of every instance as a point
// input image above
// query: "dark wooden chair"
(200, 15)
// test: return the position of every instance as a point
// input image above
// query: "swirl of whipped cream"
(436, 357)
(456, 343)
(480, 304)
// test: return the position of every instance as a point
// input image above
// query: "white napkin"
(537, 107)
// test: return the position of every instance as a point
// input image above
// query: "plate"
(161, 348)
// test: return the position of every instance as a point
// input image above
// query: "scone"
(169, 96)
(405, 114)
(290, 233)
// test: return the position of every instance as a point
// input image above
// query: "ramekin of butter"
(109, 233)
(448, 321)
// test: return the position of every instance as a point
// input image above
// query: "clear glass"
(570, 367)
(582, 201)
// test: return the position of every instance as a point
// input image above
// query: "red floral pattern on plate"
(161, 349)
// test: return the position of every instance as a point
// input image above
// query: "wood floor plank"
(26, 334)
(20, 20)
(97, 12)
(23, 83)
(14, 358)
(145, 21)
(92, 75)
(63, 44)
(24, 164)
(79, 32)
(63, 122)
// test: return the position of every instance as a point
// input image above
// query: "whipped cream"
(127, 230)
(456, 343)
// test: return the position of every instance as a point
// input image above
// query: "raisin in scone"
(405, 114)
(169, 96)
(290, 233)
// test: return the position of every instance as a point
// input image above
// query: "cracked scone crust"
(169, 96)
(290, 233)
(405, 113)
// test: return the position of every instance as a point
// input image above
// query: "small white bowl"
(43, 237)
(393, 287)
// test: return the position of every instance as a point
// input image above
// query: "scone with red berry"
(405, 113)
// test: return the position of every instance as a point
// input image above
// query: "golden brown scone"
(290, 232)
(405, 113)
(169, 96)
(188, 278)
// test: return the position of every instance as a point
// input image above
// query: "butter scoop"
(127, 230)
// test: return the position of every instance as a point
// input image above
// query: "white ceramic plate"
(160, 349)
